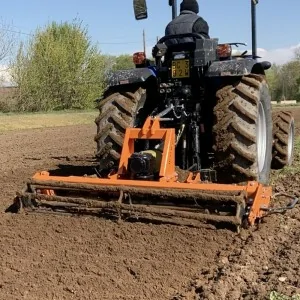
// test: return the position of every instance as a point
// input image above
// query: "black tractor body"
(219, 105)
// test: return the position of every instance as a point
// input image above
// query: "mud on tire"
(243, 131)
(283, 139)
(116, 112)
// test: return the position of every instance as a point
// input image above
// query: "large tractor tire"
(283, 139)
(118, 111)
(243, 131)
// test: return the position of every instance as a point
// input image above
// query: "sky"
(111, 23)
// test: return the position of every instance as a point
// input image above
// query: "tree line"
(60, 68)
(284, 80)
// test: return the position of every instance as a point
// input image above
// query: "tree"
(7, 46)
(123, 62)
(284, 80)
(290, 72)
(273, 75)
(297, 53)
(59, 68)
(297, 58)
(7, 40)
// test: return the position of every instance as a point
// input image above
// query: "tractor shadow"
(75, 166)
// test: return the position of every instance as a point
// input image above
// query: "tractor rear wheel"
(243, 131)
(118, 111)
(283, 139)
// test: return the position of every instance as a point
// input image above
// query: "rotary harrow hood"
(167, 196)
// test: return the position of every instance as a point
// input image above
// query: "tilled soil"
(67, 257)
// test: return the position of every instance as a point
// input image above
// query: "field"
(67, 257)
(43, 120)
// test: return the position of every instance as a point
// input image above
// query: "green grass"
(277, 296)
(13, 121)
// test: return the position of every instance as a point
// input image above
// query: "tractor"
(190, 139)
(218, 103)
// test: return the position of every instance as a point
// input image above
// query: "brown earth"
(66, 257)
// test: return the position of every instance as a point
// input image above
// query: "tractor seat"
(181, 47)
(180, 42)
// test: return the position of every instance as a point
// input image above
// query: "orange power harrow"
(188, 201)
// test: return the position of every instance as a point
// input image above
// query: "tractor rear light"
(224, 50)
(139, 58)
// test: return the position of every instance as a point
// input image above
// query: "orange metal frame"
(150, 131)
(258, 196)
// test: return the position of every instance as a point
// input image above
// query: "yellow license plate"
(181, 68)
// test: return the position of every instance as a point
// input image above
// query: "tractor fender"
(123, 77)
(237, 67)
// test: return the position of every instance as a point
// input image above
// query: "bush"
(58, 69)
